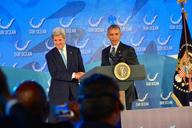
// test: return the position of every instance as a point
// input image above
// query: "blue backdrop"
(152, 27)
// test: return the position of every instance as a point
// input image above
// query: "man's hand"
(78, 75)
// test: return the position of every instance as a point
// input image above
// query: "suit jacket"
(126, 52)
(128, 55)
(62, 84)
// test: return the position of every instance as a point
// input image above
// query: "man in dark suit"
(119, 52)
(66, 67)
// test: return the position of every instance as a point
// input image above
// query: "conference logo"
(94, 25)
(8, 25)
(164, 44)
(15, 65)
(123, 24)
(21, 51)
(149, 24)
(67, 25)
(5, 28)
(137, 44)
(36, 27)
(175, 23)
(141, 101)
(165, 100)
(105, 42)
(38, 68)
(82, 45)
(152, 80)
(49, 47)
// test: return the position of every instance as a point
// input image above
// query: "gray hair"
(58, 31)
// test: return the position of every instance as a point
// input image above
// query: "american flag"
(181, 72)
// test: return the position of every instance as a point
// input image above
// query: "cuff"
(9, 105)
(73, 75)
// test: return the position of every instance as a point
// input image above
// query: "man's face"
(59, 41)
(114, 35)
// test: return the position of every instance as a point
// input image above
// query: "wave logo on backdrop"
(38, 68)
(123, 24)
(82, 45)
(96, 24)
(137, 45)
(105, 42)
(142, 101)
(47, 44)
(165, 99)
(36, 28)
(14, 65)
(6, 27)
(149, 24)
(67, 25)
(21, 51)
(38, 25)
(152, 80)
(175, 24)
(94, 27)
(164, 46)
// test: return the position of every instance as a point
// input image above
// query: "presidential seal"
(122, 71)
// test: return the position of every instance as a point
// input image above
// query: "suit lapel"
(119, 49)
(69, 56)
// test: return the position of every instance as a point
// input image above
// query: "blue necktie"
(113, 51)
(111, 59)
(63, 57)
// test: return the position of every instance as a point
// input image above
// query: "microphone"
(112, 59)
(117, 58)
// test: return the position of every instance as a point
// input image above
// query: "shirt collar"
(115, 46)
(63, 49)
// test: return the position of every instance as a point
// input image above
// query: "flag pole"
(182, 2)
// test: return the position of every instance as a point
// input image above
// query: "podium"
(137, 73)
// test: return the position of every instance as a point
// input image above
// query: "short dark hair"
(4, 91)
(98, 97)
(33, 97)
(113, 26)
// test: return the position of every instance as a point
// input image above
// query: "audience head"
(99, 99)
(32, 96)
(4, 89)
(4, 92)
